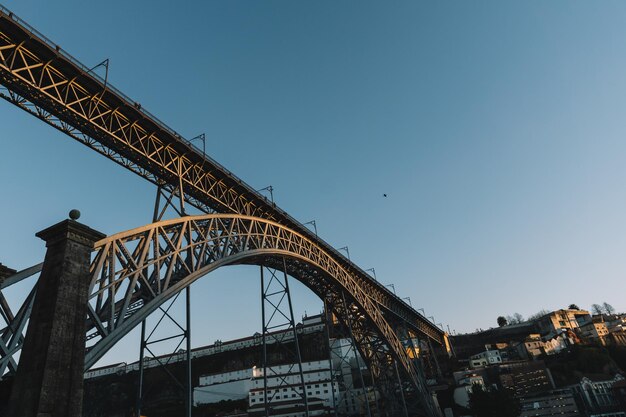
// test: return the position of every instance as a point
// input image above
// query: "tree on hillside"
(596, 309)
(496, 403)
(573, 307)
(538, 314)
(502, 321)
(608, 308)
(516, 318)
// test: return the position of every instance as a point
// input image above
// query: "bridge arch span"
(134, 272)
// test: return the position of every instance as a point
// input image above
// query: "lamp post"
(433, 318)
(312, 222)
(347, 251)
(201, 137)
(422, 310)
(271, 191)
(393, 287)
(373, 273)
(409, 300)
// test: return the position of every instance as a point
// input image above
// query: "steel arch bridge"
(129, 281)
(134, 272)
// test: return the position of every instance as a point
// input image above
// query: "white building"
(233, 385)
(466, 386)
(488, 357)
(284, 389)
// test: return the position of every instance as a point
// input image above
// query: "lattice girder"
(42, 79)
(134, 272)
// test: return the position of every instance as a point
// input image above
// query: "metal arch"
(41, 78)
(135, 271)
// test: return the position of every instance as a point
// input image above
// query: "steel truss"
(377, 355)
(14, 330)
(277, 320)
(134, 272)
(342, 348)
(42, 79)
(147, 343)
(417, 397)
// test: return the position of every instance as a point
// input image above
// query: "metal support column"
(142, 346)
(189, 402)
(331, 368)
(401, 388)
(160, 209)
(278, 324)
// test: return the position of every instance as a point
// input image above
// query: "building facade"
(552, 403)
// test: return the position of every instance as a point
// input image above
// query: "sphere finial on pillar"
(74, 214)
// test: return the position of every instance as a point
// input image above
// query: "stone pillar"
(49, 378)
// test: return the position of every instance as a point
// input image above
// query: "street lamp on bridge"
(201, 137)
(393, 287)
(312, 222)
(347, 251)
(271, 191)
(373, 273)
(409, 300)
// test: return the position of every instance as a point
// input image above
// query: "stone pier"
(49, 378)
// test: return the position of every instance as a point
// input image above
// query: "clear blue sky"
(496, 129)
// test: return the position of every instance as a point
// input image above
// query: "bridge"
(133, 273)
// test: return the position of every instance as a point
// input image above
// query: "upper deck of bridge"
(210, 186)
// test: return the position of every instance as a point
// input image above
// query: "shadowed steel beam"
(23, 274)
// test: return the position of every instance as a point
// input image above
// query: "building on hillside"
(486, 358)
(598, 395)
(465, 387)
(552, 403)
(618, 337)
(503, 348)
(615, 320)
(619, 392)
(525, 378)
(466, 345)
(562, 319)
(617, 330)
(532, 346)
(554, 344)
(595, 331)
